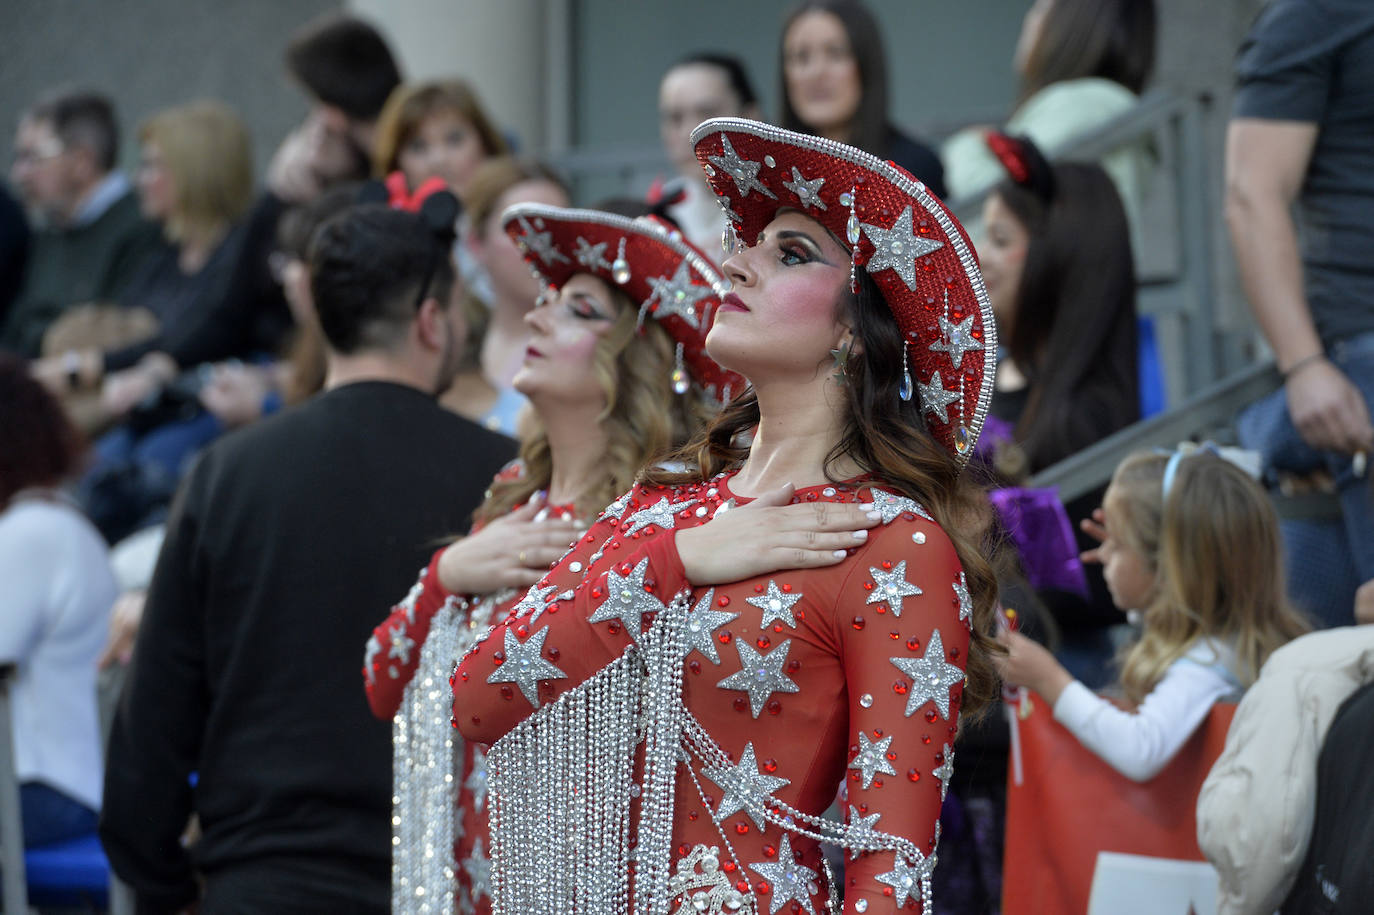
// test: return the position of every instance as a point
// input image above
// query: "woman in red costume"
(611, 391)
(676, 702)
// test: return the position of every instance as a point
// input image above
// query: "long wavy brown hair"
(1215, 549)
(643, 418)
(887, 438)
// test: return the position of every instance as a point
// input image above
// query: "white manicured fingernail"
(840, 554)
(861, 535)
(868, 506)
(875, 516)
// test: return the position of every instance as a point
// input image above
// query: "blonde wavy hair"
(643, 418)
(207, 151)
(1213, 546)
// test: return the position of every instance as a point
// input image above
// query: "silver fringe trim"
(427, 760)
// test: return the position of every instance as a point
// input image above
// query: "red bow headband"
(1024, 162)
(913, 248)
(668, 279)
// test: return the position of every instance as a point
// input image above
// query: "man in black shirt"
(288, 541)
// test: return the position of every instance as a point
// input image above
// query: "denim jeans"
(51, 816)
(1325, 561)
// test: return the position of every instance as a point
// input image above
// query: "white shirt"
(56, 589)
(1139, 744)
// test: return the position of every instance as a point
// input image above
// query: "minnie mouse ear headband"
(668, 279)
(1024, 162)
(435, 204)
(913, 248)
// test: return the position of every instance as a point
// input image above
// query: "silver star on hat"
(744, 171)
(807, 191)
(956, 339)
(935, 399)
(898, 248)
(541, 243)
(679, 295)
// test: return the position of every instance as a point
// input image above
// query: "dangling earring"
(620, 268)
(841, 357)
(727, 238)
(851, 231)
(679, 377)
(905, 390)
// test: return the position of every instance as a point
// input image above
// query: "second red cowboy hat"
(914, 249)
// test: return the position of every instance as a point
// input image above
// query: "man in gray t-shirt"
(1303, 133)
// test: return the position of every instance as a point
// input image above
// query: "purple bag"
(1037, 523)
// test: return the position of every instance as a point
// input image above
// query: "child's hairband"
(1024, 163)
(1245, 460)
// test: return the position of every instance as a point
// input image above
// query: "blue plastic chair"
(1153, 396)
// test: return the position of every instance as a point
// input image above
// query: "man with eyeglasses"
(90, 238)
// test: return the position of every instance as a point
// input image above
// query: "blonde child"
(1193, 544)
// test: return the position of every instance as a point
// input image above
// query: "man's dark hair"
(81, 118)
(731, 67)
(344, 62)
(370, 266)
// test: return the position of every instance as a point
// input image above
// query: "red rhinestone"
(900, 687)
(597, 593)
(769, 851)
(812, 497)
(464, 675)
(763, 888)
(507, 692)
(614, 627)
(553, 653)
(869, 586)
(615, 544)
(693, 815)
(499, 657)
(863, 808)
(882, 608)
(931, 715)
(684, 850)
(913, 775)
(887, 565)
(553, 607)
(891, 757)
(762, 641)
(877, 732)
(694, 666)
(743, 886)
(741, 704)
(723, 601)
(954, 654)
(858, 622)
(799, 613)
(913, 643)
(793, 666)
(887, 891)
(894, 635)
(925, 738)
(774, 707)
(728, 867)
(854, 774)
(758, 589)
(877, 783)
(770, 765)
(523, 631)
(725, 637)
(777, 627)
(742, 829)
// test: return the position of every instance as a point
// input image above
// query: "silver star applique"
(744, 171)
(965, 602)
(745, 788)
(889, 506)
(374, 648)
(408, 604)
(679, 295)
(627, 601)
(790, 880)
(935, 399)
(477, 779)
(761, 675)
(591, 256)
(541, 243)
(898, 248)
(807, 191)
(891, 587)
(663, 513)
(871, 759)
(524, 665)
(400, 645)
(931, 677)
(860, 834)
(945, 771)
(534, 600)
(776, 604)
(701, 624)
(478, 867)
(905, 879)
(956, 339)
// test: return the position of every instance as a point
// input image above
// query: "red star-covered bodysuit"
(392, 661)
(806, 679)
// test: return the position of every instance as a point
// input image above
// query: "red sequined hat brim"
(914, 249)
(661, 273)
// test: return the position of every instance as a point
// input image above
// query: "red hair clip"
(1011, 153)
(400, 197)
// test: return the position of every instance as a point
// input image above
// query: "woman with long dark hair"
(798, 604)
(834, 84)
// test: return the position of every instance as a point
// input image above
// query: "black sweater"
(287, 543)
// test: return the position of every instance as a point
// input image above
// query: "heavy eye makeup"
(795, 248)
(586, 308)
